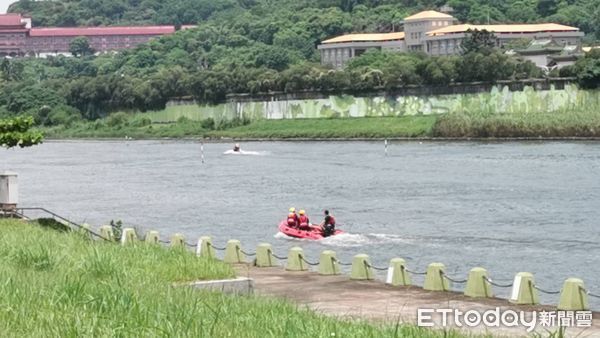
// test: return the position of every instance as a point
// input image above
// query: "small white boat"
(240, 152)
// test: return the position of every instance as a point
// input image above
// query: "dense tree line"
(248, 46)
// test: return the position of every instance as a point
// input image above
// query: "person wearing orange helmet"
(292, 219)
(303, 221)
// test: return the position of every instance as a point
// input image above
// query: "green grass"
(366, 127)
(548, 125)
(57, 284)
(408, 126)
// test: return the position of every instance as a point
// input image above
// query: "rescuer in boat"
(293, 219)
(236, 147)
(303, 221)
(328, 225)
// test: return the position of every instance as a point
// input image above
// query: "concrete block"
(523, 291)
(477, 284)
(106, 231)
(573, 296)
(361, 268)
(241, 285)
(205, 248)
(264, 256)
(434, 279)
(295, 261)
(233, 252)
(128, 236)
(397, 274)
(328, 263)
(152, 237)
(177, 241)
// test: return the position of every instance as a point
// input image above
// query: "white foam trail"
(246, 152)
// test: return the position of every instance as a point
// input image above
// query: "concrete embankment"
(374, 300)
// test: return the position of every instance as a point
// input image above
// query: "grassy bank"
(62, 285)
(137, 127)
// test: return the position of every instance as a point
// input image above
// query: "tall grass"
(583, 123)
(64, 285)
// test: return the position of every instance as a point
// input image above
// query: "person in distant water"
(303, 221)
(236, 147)
(292, 219)
(328, 225)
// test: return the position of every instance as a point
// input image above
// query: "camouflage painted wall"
(498, 100)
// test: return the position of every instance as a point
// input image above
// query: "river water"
(508, 207)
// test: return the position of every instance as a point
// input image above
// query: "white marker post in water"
(202, 151)
(386, 144)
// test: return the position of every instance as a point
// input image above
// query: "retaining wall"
(501, 98)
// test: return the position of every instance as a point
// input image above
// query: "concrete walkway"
(374, 300)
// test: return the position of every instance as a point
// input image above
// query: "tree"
(17, 132)
(80, 46)
(479, 41)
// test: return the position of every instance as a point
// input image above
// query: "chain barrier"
(191, 245)
(496, 284)
(458, 281)
(587, 292)
(216, 247)
(374, 267)
(307, 262)
(336, 261)
(164, 242)
(546, 291)
(415, 272)
(278, 257)
(246, 253)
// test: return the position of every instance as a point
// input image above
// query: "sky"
(4, 5)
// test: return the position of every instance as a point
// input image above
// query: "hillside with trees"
(251, 46)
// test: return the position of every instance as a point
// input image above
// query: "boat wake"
(352, 240)
(245, 152)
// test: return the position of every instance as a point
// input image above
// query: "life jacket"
(303, 220)
(331, 220)
(292, 219)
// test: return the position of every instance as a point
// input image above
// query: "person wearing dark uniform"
(328, 225)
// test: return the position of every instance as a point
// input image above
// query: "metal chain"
(307, 262)
(414, 272)
(459, 281)
(164, 242)
(546, 291)
(278, 257)
(589, 293)
(374, 267)
(216, 247)
(246, 253)
(191, 245)
(335, 260)
(496, 284)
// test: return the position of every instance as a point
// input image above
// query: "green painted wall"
(498, 100)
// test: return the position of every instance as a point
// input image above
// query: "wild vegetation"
(251, 46)
(64, 285)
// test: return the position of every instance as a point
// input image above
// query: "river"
(508, 207)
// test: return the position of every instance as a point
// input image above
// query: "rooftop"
(429, 15)
(11, 20)
(519, 28)
(93, 31)
(366, 37)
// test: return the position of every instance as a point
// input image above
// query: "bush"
(117, 119)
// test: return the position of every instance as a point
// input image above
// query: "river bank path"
(378, 302)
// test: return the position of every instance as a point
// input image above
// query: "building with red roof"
(18, 38)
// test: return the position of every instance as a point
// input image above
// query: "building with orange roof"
(436, 34)
(19, 38)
